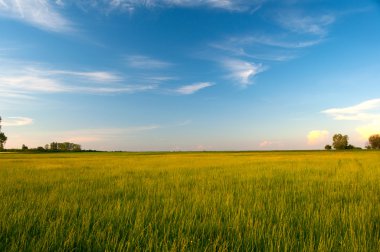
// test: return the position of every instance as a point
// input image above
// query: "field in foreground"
(282, 201)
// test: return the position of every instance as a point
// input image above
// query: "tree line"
(56, 147)
(340, 142)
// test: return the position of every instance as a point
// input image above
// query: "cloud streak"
(39, 13)
(264, 47)
(25, 81)
(17, 121)
(229, 5)
(99, 76)
(305, 24)
(144, 62)
(191, 89)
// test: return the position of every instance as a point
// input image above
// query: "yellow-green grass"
(259, 201)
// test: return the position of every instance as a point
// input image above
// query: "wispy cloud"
(265, 47)
(144, 62)
(276, 42)
(317, 137)
(307, 31)
(191, 89)
(99, 76)
(242, 71)
(42, 14)
(305, 24)
(17, 121)
(24, 81)
(230, 5)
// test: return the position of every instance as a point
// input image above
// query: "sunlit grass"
(282, 201)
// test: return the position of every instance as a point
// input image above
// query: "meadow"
(232, 201)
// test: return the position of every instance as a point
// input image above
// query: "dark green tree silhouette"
(3, 138)
(340, 142)
(374, 141)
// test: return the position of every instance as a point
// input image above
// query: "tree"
(54, 146)
(374, 141)
(328, 147)
(24, 147)
(350, 147)
(3, 138)
(340, 142)
(40, 148)
(66, 146)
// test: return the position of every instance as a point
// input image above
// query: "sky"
(179, 75)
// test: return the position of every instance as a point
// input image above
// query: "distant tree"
(54, 146)
(340, 142)
(374, 141)
(66, 146)
(77, 147)
(3, 138)
(328, 147)
(350, 147)
(24, 147)
(40, 148)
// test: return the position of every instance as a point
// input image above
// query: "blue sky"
(189, 75)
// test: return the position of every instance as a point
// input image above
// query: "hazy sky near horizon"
(189, 74)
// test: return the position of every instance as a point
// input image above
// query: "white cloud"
(243, 71)
(317, 137)
(17, 121)
(39, 13)
(191, 89)
(359, 112)
(144, 62)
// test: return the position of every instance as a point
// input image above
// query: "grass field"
(271, 201)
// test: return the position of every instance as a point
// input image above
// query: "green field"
(248, 201)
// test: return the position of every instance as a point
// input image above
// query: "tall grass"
(274, 201)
